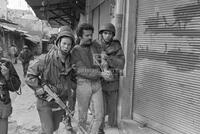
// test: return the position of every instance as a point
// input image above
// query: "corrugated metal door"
(167, 81)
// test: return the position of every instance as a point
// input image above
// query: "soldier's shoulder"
(116, 41)
(39, 59)
(42, 56)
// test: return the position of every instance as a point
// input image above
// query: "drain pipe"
(118, 18)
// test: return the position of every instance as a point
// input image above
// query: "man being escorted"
(9, 81)
(113, 60)
(88, 78)
(53, 69)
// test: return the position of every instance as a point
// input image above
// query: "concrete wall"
(128, 40)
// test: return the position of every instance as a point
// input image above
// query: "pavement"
(133, 127)
(25, 119)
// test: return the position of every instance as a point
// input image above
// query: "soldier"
(9, 81)
(53, 68)
(13, 54)
(88, 78)
(25, 56)
(113, 60)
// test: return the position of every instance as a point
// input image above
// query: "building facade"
(160, 83)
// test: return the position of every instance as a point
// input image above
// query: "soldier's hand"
(104, 64)
(5, 71)
(40, 92)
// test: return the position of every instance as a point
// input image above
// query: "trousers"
(5, 112)
(49, 119)
(90, 91)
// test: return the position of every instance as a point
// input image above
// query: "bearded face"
(86, 37)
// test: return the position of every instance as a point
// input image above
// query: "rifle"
(54, 96)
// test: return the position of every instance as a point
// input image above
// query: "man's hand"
(39, 92)
(5, 71)
(107, 75)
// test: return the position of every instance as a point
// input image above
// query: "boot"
(68, 124)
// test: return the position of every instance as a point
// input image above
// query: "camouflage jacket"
(116, 61)
(49, 68)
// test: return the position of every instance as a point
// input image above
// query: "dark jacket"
(12, 84)
(25, 56)
(116, 61)
(82, 57)
(49, 68)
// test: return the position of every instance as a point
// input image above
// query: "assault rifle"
(56, 98)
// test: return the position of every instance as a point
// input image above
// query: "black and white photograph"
(99, 66)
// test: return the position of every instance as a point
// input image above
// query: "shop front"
(167, 66)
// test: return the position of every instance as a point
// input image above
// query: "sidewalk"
(132, 127)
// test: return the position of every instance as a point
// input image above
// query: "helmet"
(66, 33)
(107, 27)
(25, 47)
(65, 28)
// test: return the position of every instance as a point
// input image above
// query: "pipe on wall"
(118, 18)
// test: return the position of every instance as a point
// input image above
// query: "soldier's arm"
(118, 60)
(13, 82)
(81, 69)
(35, 69)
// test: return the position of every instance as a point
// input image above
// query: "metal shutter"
(167, 80)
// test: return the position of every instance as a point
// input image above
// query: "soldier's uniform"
(12, 84)
(49, 68)
(116, 61)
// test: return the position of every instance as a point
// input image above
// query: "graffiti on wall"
(183, 15)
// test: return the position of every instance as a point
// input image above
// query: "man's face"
(107, 36)
(86, 37)
(65, 44)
